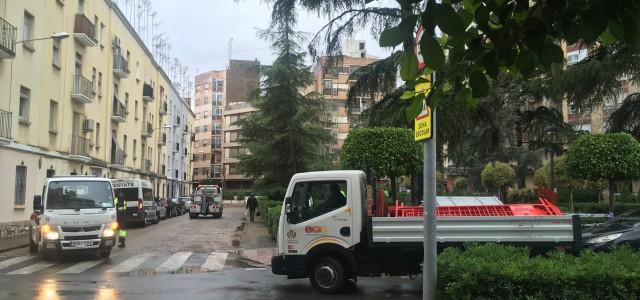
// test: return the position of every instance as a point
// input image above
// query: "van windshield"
(79, 195)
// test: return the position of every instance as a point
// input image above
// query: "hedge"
(264, 204)
(603, 208)
(491, 271)
(273, 219)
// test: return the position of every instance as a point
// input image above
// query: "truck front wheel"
(327, 276)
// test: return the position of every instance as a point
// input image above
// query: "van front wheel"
(327, 276)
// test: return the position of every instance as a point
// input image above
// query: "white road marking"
(81, 267)
(215, 262)
(255, 269)
(131, 263)
(32, 268)
(174, 262)
(14, 261)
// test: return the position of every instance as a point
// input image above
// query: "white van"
(138, 194)
(74, 213)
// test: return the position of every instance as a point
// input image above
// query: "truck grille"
(81, 237)
(79, 229)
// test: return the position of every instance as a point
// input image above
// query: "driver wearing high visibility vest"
(122, 234)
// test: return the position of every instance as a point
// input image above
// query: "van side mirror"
(37, 203)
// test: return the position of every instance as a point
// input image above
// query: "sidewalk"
(14, 242)
(257, 244)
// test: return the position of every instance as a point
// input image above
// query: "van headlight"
(604, 238)
(108, 232)
(52, 235)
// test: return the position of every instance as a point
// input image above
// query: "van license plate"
(81, 243)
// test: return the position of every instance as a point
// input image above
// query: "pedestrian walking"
(120, 208)
(252, 205)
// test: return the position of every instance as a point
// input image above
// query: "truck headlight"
(52, 235)
(108, 232)
(114, 225)
(604, 238)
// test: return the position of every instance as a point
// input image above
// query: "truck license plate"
(81, 243)
(134, 214)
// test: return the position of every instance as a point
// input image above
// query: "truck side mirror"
(37, 203)
(287, 205)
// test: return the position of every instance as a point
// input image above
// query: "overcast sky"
(200, 30)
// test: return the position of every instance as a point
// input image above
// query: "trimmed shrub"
(273, 219)
(603, 208)
(521, 196)
(492, 271)
(264, 204)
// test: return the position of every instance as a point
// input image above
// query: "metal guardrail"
(8, 35)
(79, 145)
(5, 124)
(551, 229)
(84, 25)
(82, 86)
(147, 91)
(120, 63)
(119, 110)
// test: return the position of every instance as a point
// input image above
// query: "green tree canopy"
(286, 135)
(542, 176)
(611, 156)
(497, 175)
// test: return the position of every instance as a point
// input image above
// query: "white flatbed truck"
(331, 239)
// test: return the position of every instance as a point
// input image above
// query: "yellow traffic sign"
(422, 127)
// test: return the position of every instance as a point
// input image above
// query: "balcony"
(81, 90)
(5, 126)
(84, 31)
(330, 91)
(163, 109)
(163, 140)
(79, 148)
(119, 111)
(120, 66)
(147, 129)
(117, 155)
(176, 149)
(8, 35)
(146, 165)
(147, 92)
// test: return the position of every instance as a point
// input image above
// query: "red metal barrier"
(543, 208)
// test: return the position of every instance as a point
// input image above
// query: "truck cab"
(74, 213)
(207, 201)
(138, 196)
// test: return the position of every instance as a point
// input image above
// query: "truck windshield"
(79, 195)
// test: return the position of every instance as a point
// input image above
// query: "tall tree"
(286, 135)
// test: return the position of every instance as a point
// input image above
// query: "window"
(55, 53)
(135, 109)
(217, 99)
(233, 152)
(53, 116)
(315, 198)
(27, 30)
(99, 84)
(216, 171)
(138, 71)
(80, 6)
(216, 114)
(361, 46)
(97, 135)
(126, 103)
(233, 136)
(205, 114)
(217, 129)
(217, 158)
(135, 148)
(206, 100)
(21, 185)
(205, 128)
(124, 146)
(205, 143)
(23, 110)
(102, 27)
(93, 80)
(217, 143)
(218, 85)
(233, 169)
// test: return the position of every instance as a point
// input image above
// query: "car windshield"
(624, 221)
(79, 195)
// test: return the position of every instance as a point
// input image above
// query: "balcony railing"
(120, 66)
(117, 155)
(81, 90)
(163, 139)
(5, 124)
(119, 111)
(146, 165)
(147, 92)
(330, 91)
(84, 31)
(8, 34)
(147, 129)
(79, 146)
(163, 108)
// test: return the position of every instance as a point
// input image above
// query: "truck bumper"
(294, 266)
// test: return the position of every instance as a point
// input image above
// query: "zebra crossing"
(154, 263)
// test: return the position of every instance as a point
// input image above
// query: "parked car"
(171, 208)
(621, 230)
(186, 204)
(178, 206)
(161, 211)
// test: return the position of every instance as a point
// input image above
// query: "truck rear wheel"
(327, 276)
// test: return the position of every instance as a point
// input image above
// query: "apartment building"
(221, 98)
(209, 105)
(93, 103)
(332, 81)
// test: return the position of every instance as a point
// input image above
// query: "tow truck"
(328, 233)
(207, 201)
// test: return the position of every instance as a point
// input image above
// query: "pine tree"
(286, 135)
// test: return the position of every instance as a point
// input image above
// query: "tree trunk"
(394, 190)
(611, 197)
(413, 188)
(571, 200)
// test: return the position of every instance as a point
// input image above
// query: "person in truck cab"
(337, 197)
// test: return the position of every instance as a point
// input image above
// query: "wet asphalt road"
(178, 258)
